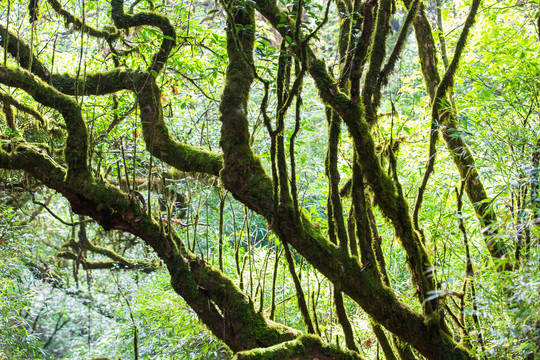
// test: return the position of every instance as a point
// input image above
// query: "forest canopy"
(261, 179)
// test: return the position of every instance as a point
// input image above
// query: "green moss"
(249, 328)
(305, 347)
(343, 100)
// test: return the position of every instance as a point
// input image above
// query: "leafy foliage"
(269, 161)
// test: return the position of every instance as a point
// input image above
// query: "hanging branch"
(10, 119)
(388, 68)
(360, 50)
(297, 120)
(377, 244)
(363, 227)
(262, 275)
(44, 206)
(344, 321)
(283, 103)
(36, 211)
(274, 281)
(383, 341)
(469, 269)
(438, 101)
(117, 261)
(376, 59)
(299, 292)
(335, 208)
(222, 194)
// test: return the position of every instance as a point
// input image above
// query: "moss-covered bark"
(126, 21)
(377, 56)
(218, 302)
(11, 101)
(388, 198)
(305, 347)
(245, 178)
(383, 341)
(242, 172)
(447, 123)
(109, 34)
(76, 150)
(156, 134)
(222, 306)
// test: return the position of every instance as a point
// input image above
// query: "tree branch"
(126, 21)
(107, 33)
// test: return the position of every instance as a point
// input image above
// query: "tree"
(67, 156)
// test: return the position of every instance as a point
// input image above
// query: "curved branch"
(6, 98)
(217, 301)
(156, 134)
(45, 206)
(76, 151)
(121, 262)
(126, 21)
(304, 347)
(242, 171)
(244, 177)
(108, 33)
(22, 53)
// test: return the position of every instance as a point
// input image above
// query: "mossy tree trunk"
(349, 255)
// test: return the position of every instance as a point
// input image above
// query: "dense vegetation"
(256, 179)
